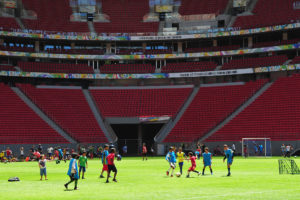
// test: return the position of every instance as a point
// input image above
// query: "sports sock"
(211, 171)
(172, 172)
(228, 169)
(169, 169)
(196, 172)
(203, 171)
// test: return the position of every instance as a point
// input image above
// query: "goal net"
(256, 147)
(288, 166)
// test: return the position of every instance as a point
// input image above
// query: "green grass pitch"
(252, 178)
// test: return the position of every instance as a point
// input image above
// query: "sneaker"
(107, 181)
(101, 176)
(202, 174)
(211, 173)
(187, 176)
(171, 176)
(199, 173)
(75, 188)
(228, 174)
(114, 180)
(83, 178)
(66, 186)
(167, 173)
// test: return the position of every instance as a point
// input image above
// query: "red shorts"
(105, 168)
(192, 168)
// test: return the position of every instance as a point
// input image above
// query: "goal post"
(256, 147)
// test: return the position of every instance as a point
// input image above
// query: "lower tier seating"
(275, 115)
(69, 109)
(140, 102)
(20, 124)
(211, 106)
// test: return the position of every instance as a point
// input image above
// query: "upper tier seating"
(296, 60)
(269, 13)
(275, 115)
(210, 106)
(55, 67)
(69, 109)
(20, 124)
(255, 62)
(195, 7)
(7, 68)
(7, 23)
(53, 16)
(207, 49)
(140, 102)
(127, 68)
(189, 67)
(126, 17)
(275, 43)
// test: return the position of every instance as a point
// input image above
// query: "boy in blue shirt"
(229, 156)
(171, 158)
(207, 157)
(73, 171)
(104, 160)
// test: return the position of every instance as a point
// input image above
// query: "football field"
(252, 178)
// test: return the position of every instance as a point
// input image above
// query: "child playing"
(171, 158)
(207, 157)
(144, 151)
(229, 156)
(42, 166)
(198, 152)
(193, 167)
(111, 165)
(104, 160)
(180, 156)
(83, 164)
(73, 171)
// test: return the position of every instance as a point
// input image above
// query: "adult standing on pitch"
(229, 156)
(282, 149)
(144, 152)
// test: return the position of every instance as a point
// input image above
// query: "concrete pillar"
(37, 46)
(285, 36)
(140, 137)
(108, 47)
(250, 42)
(215, 43)
(179, 46)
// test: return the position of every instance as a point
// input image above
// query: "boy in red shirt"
(111, 165)
(193, 167)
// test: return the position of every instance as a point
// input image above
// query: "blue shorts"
(229, 162)
(207, 164)
(180, 164)
(43, 171)
(82, 168)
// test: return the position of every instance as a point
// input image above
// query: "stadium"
(143, 80)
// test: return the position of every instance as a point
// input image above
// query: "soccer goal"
(256, 147)
(288, 166)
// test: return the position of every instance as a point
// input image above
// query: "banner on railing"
(277, 68)
(10, 4)
(211, 73)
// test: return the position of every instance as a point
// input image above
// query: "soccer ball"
(178, 174)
